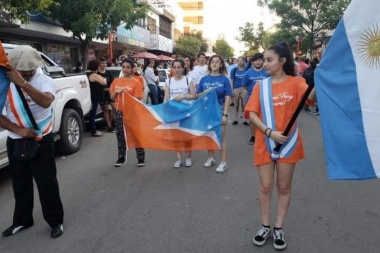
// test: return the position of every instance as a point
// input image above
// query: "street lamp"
(298, 40)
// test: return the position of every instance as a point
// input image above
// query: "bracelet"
(270, 132)
(265, 132)
(226, 115)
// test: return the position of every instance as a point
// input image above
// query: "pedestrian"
(38, 91)
(201, 68)
(106, 103)
(271, 106)
(119, 87)
(217, 79)
(240, 93)
(151, 80)
(178, 88)
(188, 70)
(97, 86)
(254, 74)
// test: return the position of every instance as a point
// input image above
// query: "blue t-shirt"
(238, 77)
(220, 83)
(251, 77)
(230, 67)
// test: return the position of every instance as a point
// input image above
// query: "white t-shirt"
(200, 71)
(177, 87)
(42, 83)
(192, 76)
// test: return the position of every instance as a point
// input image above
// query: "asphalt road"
(159, 209)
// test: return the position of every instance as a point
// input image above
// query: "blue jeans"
(153, 93)
(95, 104)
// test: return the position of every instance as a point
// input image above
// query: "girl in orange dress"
(271, 106)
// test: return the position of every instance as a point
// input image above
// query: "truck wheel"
(71, 132)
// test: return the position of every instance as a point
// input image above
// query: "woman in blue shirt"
(217, 79)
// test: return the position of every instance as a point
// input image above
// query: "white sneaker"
(222, 167)
(210, 162)
(177, 164)
(188, 162)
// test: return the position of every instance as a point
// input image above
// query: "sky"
(226, 16)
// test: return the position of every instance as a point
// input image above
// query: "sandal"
(97, 134)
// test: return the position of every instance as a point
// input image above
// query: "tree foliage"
(222, 48)
(90, 19)
(18, 8)
(251, 37)
(311, 17)
(188, 45)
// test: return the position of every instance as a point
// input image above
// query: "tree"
(311, 16)
(222, 48)
(253, 39)
(89, 19)
(18, 9)
(204, 45)
(188, 45)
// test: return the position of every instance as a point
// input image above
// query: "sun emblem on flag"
(369, 47)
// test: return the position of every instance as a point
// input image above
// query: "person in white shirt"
(177, 88)
(151, 80)
(201, 69)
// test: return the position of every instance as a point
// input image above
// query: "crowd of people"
(267, 89)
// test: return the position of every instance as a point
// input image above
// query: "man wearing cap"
(38, 90)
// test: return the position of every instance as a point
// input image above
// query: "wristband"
(265, 132)
(226, 115)
(270, 132)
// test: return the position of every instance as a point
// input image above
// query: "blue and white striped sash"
(267, 110)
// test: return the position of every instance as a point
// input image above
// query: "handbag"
(26, 149)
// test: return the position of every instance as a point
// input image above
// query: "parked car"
(72, 102)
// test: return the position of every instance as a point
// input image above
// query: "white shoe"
(188, 162)
(222, 167)
(177, 164)
(210, 162)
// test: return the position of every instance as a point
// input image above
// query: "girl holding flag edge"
(271, 106)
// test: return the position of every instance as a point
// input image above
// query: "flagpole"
(295, 115)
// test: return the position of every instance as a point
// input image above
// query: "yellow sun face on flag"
(369, 47)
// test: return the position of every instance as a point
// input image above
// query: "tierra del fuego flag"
(348, 93)
(183, 125)
(4, 81)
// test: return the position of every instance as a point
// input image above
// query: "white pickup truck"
(72, 102)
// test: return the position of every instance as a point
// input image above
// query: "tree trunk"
(84, 49)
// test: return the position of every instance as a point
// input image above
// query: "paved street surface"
(159, 209)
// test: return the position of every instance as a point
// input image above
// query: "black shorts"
(106, 99)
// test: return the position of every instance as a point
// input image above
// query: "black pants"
(44, 172)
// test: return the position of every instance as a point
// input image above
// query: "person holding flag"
(217, 79)
(272, 104)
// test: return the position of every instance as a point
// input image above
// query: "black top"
(97, 90)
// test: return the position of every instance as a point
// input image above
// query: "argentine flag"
(348, 93)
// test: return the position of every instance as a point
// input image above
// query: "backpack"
(308, 74)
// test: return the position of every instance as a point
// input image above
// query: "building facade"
(193, 15)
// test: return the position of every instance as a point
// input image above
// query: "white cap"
(24, 58)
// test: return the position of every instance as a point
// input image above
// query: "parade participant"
(188, 71)
(125, 84)
(177, 88)
(200, 69)
(38, 90)
(106, 103)
(271, 106)
(240, 93)
(217, 79)
(97, 85)
(254, 74)
(151, 80)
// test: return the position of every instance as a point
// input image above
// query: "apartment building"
(193, 15)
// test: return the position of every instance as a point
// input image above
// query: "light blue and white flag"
(348, 92)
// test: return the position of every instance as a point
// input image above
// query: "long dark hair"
(185, 71)
(282, 49)
(222, 69)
